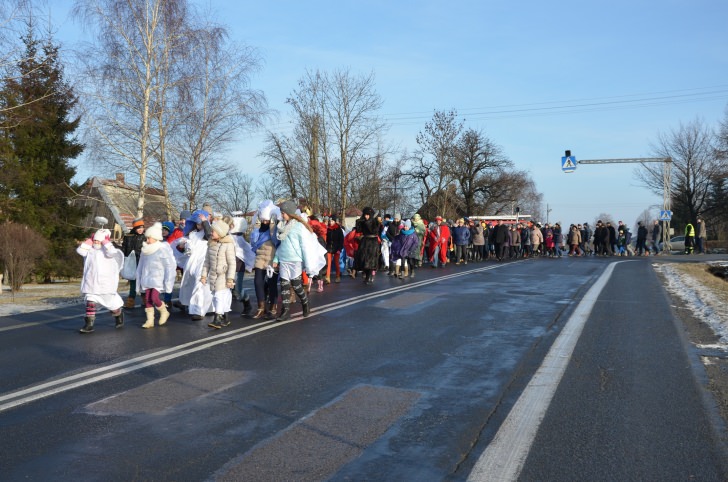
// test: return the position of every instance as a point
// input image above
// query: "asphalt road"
(403, 380)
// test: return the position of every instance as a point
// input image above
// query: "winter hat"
(221, 228)
(417, 218)
(397, 216)
(168, 225)
(154, 232)
(407, 225)
(137, 222)
(102, 234)
(288, 207)
(185, 215)
(207, 207)
(334, 218)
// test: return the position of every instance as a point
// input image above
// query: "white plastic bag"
(128, 271)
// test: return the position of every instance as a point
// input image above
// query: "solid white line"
(503, 459)
(37, 392)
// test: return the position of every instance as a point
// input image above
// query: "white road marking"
(503, 459)
(43, 390)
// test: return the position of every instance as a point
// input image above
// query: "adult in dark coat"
(367, 256)
(499, 239)
(334, 245)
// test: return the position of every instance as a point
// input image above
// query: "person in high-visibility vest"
(689, 238)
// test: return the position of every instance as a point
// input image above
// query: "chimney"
(120, 178)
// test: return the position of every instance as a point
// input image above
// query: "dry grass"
(699, 271)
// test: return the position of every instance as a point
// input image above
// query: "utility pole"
(548, 211)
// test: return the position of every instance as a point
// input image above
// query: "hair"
(302, 221)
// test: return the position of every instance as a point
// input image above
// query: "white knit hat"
(154, 231)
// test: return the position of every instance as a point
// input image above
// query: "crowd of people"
(290, 251)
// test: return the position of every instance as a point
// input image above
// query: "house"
(116, 200)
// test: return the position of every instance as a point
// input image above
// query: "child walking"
(155, 274)
(219, 267)
(100, 281)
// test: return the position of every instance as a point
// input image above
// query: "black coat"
(369, 252)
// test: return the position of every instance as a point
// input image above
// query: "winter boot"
(247, 306)
(129, 304)
(216, 322)
(224, 320)
(412, 272)
(306, 309)
(119, 318)
(163, 314)
(396, 272)
(285, 314)
(328, 280)
(261, 311)
(320, 286)
(337, 279)
(88, 327)
(150, 318)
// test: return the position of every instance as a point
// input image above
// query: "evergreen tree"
(36, 146)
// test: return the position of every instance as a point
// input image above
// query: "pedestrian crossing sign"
(568, 163)
(665, 215)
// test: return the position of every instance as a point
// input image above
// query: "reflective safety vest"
(689, 230)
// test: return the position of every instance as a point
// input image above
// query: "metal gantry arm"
(666, 181)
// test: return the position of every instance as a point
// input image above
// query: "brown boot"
(261, 311)
(129, 303)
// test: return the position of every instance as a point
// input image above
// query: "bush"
(20, 249)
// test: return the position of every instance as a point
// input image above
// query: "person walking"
(155, 274)
(195, 296)
(291, 257)
(689, 238)
(100, 282)
(367, 255)
(132, 243)
(334, 245)
(461, 240)
(702, 236)
(218, 271)
(656, 236)
(264, 242)
(642, 240)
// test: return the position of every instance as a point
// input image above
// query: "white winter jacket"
(100, 269)
(156, 268)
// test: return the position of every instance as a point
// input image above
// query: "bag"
(128, 271)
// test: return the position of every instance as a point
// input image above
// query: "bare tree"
(352, 106)
(694, 166)
(477, 161)
(122, 71)
(432, 163)
(216, 103)
(236, 194)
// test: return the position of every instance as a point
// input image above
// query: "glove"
(269, 271)
(89, 242)
(230, 283)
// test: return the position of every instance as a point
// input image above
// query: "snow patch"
(698, 298)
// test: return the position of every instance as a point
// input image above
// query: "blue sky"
(602, 80)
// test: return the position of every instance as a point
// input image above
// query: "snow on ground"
(37, 297)
(698, 298)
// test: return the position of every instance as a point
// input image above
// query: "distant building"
(116, 200)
